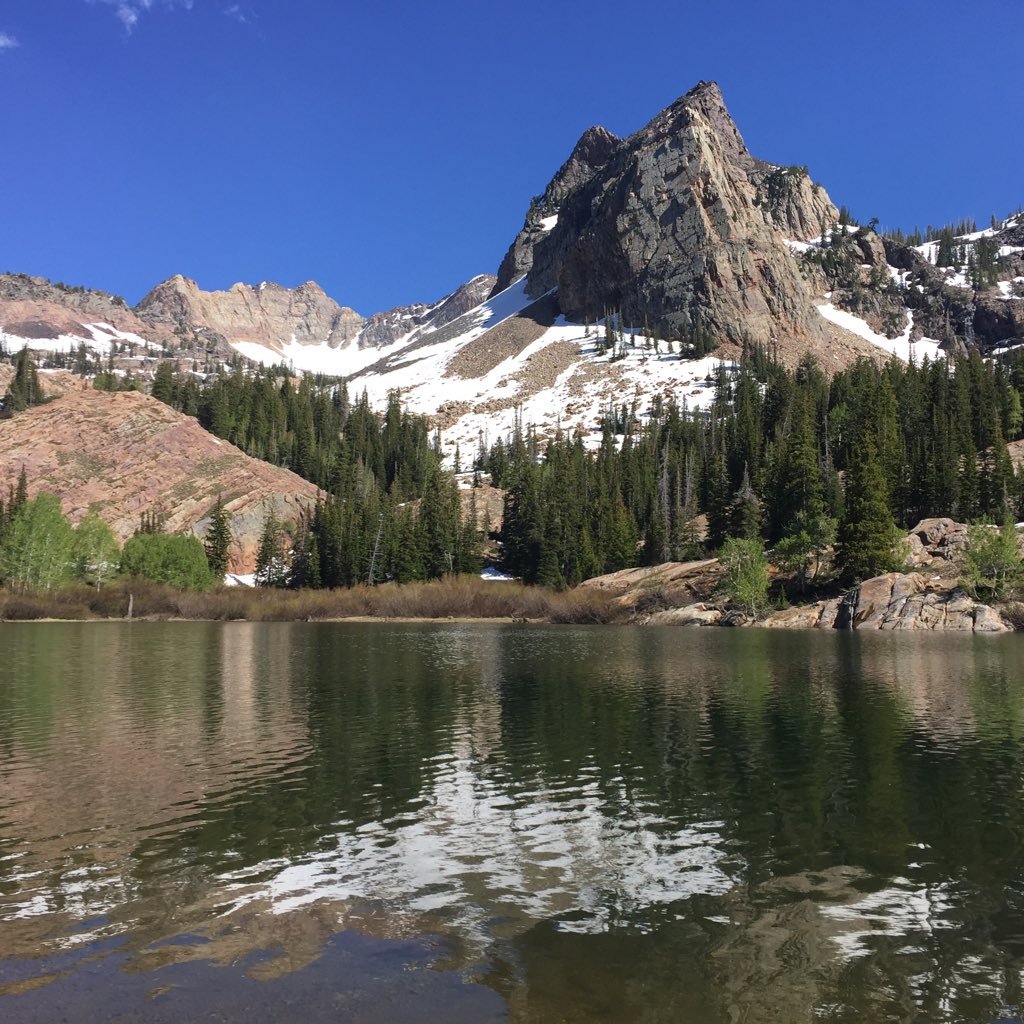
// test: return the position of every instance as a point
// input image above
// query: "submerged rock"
(691, 615)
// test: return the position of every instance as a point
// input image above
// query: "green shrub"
(992, 564)
(746, 574)
(174, 559)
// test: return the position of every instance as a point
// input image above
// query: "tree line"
(788, 459)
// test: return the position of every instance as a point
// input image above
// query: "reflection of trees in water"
(828, 755)
(546, 779)
(149, 736)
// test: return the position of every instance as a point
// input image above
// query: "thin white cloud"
(235, 11)
(128, 12)
(7, 42)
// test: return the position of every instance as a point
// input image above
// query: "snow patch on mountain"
(902, 347)
(561, 379)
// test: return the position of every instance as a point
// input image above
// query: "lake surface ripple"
(379, 822)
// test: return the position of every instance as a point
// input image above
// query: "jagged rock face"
(267, 314)
(956, 313)
(591, 153)
(384, 329)
(127, 453)
(895, 601)
(673, 231)
(934, 541)
(998, 321)
(33, 307)
(273, 316)
(799, 207)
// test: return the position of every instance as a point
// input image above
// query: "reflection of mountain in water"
(739, 826)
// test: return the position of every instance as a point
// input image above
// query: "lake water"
(448, 823)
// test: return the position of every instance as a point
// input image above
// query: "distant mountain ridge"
(682, 238)
(266, 322)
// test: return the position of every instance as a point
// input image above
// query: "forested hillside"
(383, 487)
(792, 458)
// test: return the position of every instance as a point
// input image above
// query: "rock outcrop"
(681, 228)
(953, 308)
(684, 594)
(383, 329)
(126, 453)
(895, 601)
(42, 310)
(936, 542)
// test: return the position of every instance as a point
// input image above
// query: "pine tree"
(24, 389)
(867, 534)
(745, 513)
(218, 540)
(271, 570)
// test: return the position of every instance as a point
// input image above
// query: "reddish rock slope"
(127, 453)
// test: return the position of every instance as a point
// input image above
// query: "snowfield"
(98, 338)
(557, 381)
(902, 347)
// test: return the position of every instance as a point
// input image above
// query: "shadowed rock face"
(384, 329)
(591, 153)
(679, 225)
(127, 453)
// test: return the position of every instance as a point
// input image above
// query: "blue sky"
(388, 150)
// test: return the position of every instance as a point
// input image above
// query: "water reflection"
(758, 826)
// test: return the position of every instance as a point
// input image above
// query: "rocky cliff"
(681, 228)
(953, 301)
(42, 310)
(383, 329)
(126, 453)
(588, 156)
(266, 314)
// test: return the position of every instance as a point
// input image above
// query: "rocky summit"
(678, 227)
(265, 314)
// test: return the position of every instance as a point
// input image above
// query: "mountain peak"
(678, 227)
(594, 147)
(592, 151)
(706, 100)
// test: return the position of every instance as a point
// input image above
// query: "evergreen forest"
(790, 459)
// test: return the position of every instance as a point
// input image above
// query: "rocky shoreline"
(927, 597)
(895, 601)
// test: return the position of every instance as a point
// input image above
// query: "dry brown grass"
(456, 597)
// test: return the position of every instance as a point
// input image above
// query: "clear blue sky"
(388, 150)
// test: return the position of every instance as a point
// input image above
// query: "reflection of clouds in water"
(903, 908)
(581, 853)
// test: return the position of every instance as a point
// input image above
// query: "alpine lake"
(385, 823)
